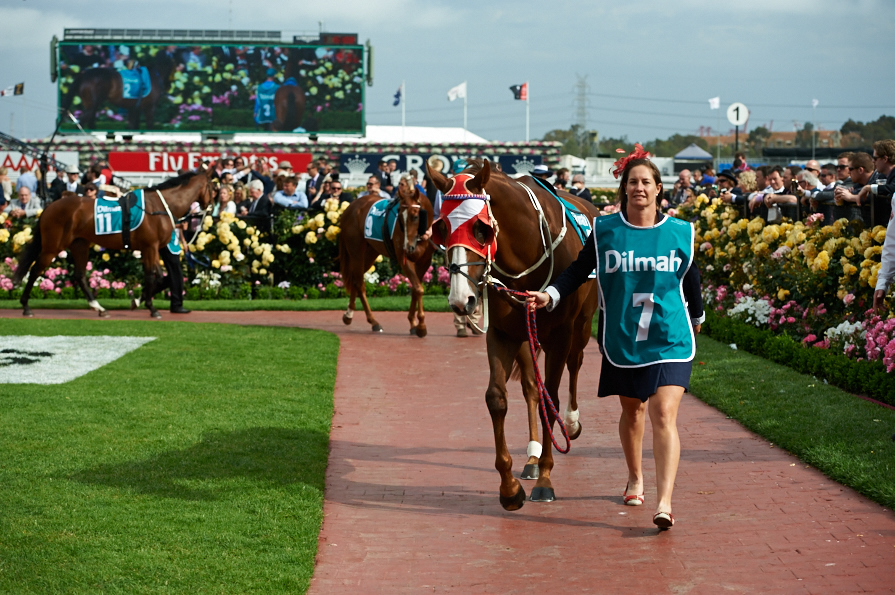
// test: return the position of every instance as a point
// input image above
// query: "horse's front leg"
(416, 301)
(554, 362)
(532, 399)
(501, 352)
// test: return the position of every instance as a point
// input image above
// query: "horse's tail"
(28, 256)
(516, 370)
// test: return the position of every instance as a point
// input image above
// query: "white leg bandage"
(95, 305)
(571, 417)
(534, 449)
(349, 313)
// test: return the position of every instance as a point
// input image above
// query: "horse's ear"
(482, 177)
(438, 178)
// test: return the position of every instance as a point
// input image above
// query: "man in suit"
(260, 206)
(71, 184)
(579, 189)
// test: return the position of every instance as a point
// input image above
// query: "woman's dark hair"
(622, 196)
(90, 186)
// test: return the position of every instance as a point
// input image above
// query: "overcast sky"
(650, 65)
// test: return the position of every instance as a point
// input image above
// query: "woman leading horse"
(514, 233)
(69, 224)
(651, 307)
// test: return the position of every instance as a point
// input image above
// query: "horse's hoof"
(413, 330)
(542, 495)
(103, 314)
(27, 313)
(155, 314)
(421, 331)
(377, 328)
(134, 305)
(514, 502)
(530, 471)
(577, 432)
(346, 320)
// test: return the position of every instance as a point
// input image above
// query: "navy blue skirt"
(640, 383)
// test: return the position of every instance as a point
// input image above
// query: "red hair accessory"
(622, 163)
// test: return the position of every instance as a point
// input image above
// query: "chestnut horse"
(289, 106)
(526, 223)
(96, 86)
(68, 224)
(357, 253)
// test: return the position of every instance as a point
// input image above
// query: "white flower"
(751, 310)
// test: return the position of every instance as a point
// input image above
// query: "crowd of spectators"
(858, 187)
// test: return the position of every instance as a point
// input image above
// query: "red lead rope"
(531, 325)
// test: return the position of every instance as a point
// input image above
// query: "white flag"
(458, 92)
(814, 102)
(715, 103)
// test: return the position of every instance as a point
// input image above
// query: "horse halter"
(547, 241)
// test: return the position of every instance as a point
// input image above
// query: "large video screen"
(227, 88)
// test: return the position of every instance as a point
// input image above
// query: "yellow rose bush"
(812, 282)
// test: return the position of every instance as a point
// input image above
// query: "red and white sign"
(165, 162)
(14, 161)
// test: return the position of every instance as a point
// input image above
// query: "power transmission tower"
(581, 103)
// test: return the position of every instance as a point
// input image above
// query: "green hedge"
(860, 377)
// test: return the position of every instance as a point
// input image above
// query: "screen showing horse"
(128, 86)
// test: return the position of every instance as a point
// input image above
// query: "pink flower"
(848, 299)
(790, 320)
(810, 339)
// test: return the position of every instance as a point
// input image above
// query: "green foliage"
(674, 144)
(575, 141)
(758, 137)
(880, 129)
(861, 377)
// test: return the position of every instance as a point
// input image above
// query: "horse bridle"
(548, 243)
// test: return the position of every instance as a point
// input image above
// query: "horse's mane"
(474, 165)
(175, 181)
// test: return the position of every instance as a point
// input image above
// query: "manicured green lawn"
(194, 464)
(434, 303)
(847, 438)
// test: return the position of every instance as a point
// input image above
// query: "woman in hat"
(651, 310)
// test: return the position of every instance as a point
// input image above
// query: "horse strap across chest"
(548, 243)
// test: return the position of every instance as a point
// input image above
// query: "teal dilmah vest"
(640, 272)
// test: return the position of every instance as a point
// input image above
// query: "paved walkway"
(411, 491)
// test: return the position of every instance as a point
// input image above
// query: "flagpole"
(719, 136)
(466, 90)
(403, 103)
(813, 128)
(527, 106)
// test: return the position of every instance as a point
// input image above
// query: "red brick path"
(412, 504)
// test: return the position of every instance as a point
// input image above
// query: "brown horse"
(96, 86)
(357, 253)
(68, 224)
(289, 106)
(525, 222)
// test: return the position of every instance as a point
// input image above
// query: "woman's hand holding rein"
(540, 299)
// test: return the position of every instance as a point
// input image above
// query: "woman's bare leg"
(630, 430)
(663, 407)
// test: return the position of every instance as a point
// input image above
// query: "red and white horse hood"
(460, 209)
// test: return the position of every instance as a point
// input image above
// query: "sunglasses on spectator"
(852, 168)
(336, 187)
(370, 184)
(812, 169)
(841, 167)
